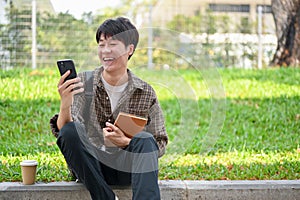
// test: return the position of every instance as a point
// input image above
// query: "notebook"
(130, 124)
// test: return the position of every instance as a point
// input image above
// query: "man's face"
(112, 53)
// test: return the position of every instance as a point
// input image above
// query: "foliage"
(63, 36)
(245, 26)
(206, 23)
(260, 136)
(180, 23)
(15, 37)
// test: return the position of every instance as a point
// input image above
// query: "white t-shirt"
(114, 92)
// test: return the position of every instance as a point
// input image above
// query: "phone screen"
(64, 66)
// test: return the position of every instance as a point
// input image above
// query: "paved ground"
(170, 190)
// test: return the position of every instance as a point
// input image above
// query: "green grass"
(258, 139)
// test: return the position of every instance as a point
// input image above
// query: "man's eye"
(112, 44)
(101, 45)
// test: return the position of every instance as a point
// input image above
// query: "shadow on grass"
(24, 126)
(252, 124)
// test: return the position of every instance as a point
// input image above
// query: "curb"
(170, 190)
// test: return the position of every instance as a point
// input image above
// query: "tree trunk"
(286, 15)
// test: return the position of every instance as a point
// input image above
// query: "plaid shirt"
(138, 98)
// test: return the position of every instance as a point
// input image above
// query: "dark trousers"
(97, 175)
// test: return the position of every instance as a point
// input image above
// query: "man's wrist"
(127, 141)
(64, 117)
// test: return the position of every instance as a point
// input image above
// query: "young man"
(83, 131)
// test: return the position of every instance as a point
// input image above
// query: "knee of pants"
(68, 133)
(143, 134)
(143, 142)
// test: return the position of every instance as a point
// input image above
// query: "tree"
(63, 36)
(180, 23)
(286, 15)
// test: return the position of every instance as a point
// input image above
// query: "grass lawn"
(251, 134)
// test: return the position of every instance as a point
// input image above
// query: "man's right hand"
(67, 90)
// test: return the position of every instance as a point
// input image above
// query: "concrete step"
(170, 190)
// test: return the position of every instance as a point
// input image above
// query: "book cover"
(130, 124)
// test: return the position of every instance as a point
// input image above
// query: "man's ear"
(130, 49)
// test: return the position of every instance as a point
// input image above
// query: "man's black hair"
(119, 29)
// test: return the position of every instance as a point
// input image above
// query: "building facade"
(237, 10)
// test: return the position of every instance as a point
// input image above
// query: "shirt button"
(108, 120)
(106, 98)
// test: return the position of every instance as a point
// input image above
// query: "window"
(229, 7)
(265, 8)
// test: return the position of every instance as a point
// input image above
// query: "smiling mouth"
(108, 59)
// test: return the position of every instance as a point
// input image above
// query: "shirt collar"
(133, 81)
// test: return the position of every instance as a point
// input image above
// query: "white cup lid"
(29, 163)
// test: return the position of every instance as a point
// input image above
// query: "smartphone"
(64, 66)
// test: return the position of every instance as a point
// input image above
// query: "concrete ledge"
(170, 190)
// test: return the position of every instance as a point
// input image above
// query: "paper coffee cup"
(28, 168)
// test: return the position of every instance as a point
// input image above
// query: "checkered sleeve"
(53, 125)
(156, 126)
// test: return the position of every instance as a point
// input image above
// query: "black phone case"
(64, 66)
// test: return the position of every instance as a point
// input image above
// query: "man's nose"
(106, 49)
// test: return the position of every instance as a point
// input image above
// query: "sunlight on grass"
(232, 166)
(51, 167)
(229, 158)
(258, 89)
(30, 85)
